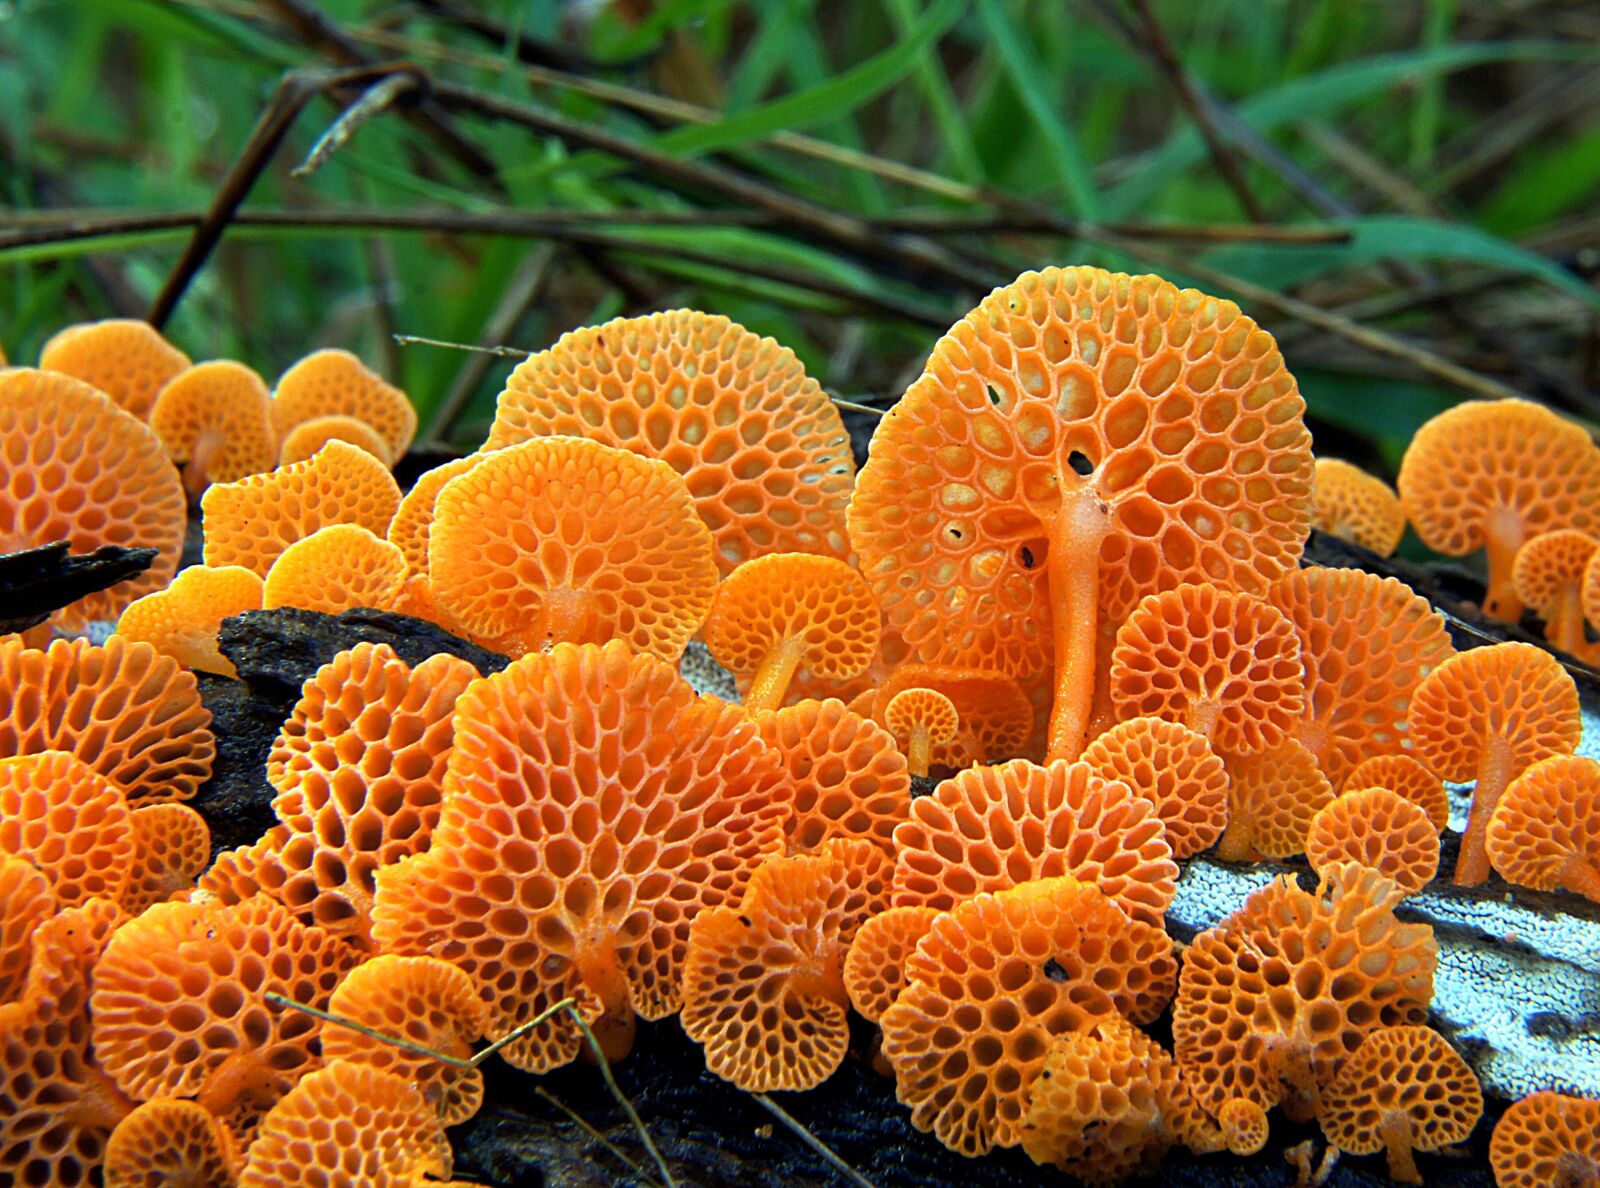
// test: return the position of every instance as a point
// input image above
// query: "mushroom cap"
(75, 467)
(412, 525)
(850, 779)
(1548, 818)
(1542, 1136)
(336, 383)
(1181, 405)
(344, 1125)
(1367, 642)
(125, 358)
(182, 620)
(1356, 506)
(1409, 776)
(1299, 975)
(306, 438)
(1274, 795)
(995, 979)
(1408, 1070)
(1511, 456)
(1551, 564)
(171, 847)
(994, 713)
(70, 822)
(561, 540)
(1589, 592)
(252, 521)
(423, 1000)
(223, 400)
(334, 569)
(785, 596)
(763, 984)
(989, 828)
(1244, 1126)
(123, 708)
(927, 708)
(761, 447)
(875, 966)
(26, 901)
(1223, 663)
(56, 1106)
(593, 805)
(1174, 769)
(179, 1007)
(1514, 692)
(171, 1141)
(1379, 829)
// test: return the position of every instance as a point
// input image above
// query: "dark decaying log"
(35, 583)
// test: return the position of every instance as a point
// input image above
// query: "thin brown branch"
(373, 102)
(828, 1154)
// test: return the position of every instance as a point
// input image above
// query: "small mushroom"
(306, 438)
(412, 525)
(182, 621)
(1174, 769)
(1545, 832)
(336, 383)
(1379, 829)
(995, 717)
(1409, 776)
(1548, 576)
(875, 966)
(70, 822)
(334, 569)
(922, 719)
(170, 1141)
(171, 846)
(214, 420)
(1356, 507)
(1547, 1139)
(1273, 796)
(1244, 1124)
(125, 358)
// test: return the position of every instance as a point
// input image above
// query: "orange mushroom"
(1489, 714)
(1245, 1128)
(778, 613)
(994, 714)
(169, 1142)
(763, 982)
(412, 525)
(1273, 796)
(1545, 832)
(562, 540)
(306, 438)
(26, 901)
(1490, 474)
(182, 620)
(171, 846)
(70, 822)
(761, 447)
(1225, 665)
(336, 383)
(75, 467)
(1080, 440)
(1379, 829)
(875, 966)
(252, 521)
(1174, 769)
(1548, 576)
(1410, 777)
(922, 719)
(1405, 1089)
(1356, 507)
(334, 569)
(214, 421)
(126, 359)
(1546, 1139)
(593, 806)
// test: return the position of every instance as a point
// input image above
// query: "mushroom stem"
(569, 616)
(602, 975)
(777, 670)
(1503, 536)
(1395, 1131)
(100, 1105)
(197, 470)
(1576, 1170)
(1072, 569)
(1494, 773)
(1202, 717)
(1581, 876)
(1237, 843)
(1564, 627)
(919, 749)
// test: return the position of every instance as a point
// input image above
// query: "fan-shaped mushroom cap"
(875, 966)
(334, 569)
(562, 540)
(922, 719)
(26, 902)
(306, 438)
(1174, 769)
(1546, 1139)
(423, 1000)
(1244, 1126)
(990, 828)
(1548, 576)
(849, 777)
(1224, 664)
(1273, 796)
(1367, 642)
(1273, 1000)
(779, 613)
(984, 539)
(75, 467)
(759, 443)
(346, 1125)
(994, 713)
(1405, 1089)
(1545, 833)
(336, 383)
(125, 358)
(1489, 474)
(763, 982)
(214, 420)
(171, 846)
(169, 1142)
(1489, 714)
(1410, 777)
(1356, 506)
(994, 980)
(593, 806)
(56, 1106)
(123, 708)
(70, 822)
(179, 1004)
(182, 620)
(1379, 829)
(412, 525)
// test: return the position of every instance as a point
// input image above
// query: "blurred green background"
(855, 175)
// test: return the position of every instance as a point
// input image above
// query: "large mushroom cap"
(1357, 507)
(1545, 832)
(75, 467)
(182, 621)
(1176, 770)
(70, 822)
(758, 442)
(215, 422)
(125, 358)
(1545, 1139)
(1379, 829)
(336, 383)
(170, 1142)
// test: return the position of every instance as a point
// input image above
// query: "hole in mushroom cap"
(1054, 970)
(1082, 465)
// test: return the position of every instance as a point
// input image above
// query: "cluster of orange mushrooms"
(1067, 581)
